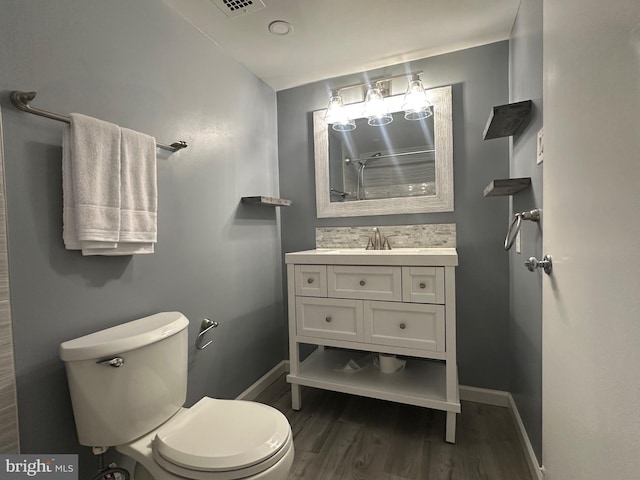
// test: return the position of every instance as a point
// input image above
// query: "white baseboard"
(505, 399)
(532, 460)
(484, 395)
(263, 382)
(471, 394)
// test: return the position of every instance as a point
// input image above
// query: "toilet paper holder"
(205, 326)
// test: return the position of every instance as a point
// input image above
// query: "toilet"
(128, 385)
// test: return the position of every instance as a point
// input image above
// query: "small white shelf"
(421, 383)
(505, 120)
(506, 186)
(267, 201)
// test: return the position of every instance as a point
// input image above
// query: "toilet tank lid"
(125, 337)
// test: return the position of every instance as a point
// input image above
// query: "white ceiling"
(339, 37)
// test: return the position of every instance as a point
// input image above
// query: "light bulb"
(415, 103)
(337, 116)
(375, 108)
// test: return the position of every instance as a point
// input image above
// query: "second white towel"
(138, 196)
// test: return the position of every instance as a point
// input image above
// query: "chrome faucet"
(377, 239)
(378, 242)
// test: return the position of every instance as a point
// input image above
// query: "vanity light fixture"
(415, 103)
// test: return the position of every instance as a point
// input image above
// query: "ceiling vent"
(235, 8)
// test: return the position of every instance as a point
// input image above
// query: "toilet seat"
(222, 439)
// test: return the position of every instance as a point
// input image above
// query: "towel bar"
(21, 101)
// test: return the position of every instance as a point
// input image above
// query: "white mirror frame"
(442, 201)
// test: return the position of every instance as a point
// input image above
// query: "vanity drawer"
(364, 282)
(423, 284)
(405, 325)
(311, 280)
(333, 318)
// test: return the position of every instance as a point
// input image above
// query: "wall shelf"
(267, 201)
(505, 120)
(506, 186)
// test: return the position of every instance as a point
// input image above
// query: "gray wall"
(140, 65)
(525, 306)
(479, 77)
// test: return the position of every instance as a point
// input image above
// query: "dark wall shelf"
(267, 201)
(505, 120)
(506, 186)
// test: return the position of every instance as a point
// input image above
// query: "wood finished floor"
(345, 437)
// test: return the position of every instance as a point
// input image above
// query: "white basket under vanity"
(399, 301)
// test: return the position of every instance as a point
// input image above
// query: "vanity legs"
(295, 397)
(451, 427)
(450, 435)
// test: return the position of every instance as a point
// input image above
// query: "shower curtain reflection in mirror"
(394, 160)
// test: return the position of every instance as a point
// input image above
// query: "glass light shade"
(337, 116)
(415, 103)
(344, 126)
(375, 108)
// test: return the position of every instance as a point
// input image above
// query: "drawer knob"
(328, 319)
(362, 283)
(402, 326)
(422, 285)
(309, 280)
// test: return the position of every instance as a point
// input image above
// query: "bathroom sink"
(363, 251)
(360, 256)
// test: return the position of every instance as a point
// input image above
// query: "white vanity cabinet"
(398, 301)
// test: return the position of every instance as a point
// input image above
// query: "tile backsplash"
(400, 236)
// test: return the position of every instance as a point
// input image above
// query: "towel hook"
(205, 326)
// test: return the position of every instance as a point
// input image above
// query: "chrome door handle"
(546, 264)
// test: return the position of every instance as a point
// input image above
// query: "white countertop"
(429, 257)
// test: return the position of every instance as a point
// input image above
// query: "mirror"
(405, 166)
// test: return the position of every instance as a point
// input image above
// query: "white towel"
(139, 196)
(117, 166)
(138, 188)
(69, 234)
(121, 249)
(91, 183)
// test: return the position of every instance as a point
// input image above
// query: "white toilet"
(128, 385)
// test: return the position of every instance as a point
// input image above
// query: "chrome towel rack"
(514, 228)
(21, 101)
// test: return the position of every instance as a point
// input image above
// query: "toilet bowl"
(128, 387)
(216, 440)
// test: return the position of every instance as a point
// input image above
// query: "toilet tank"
(114, 405)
